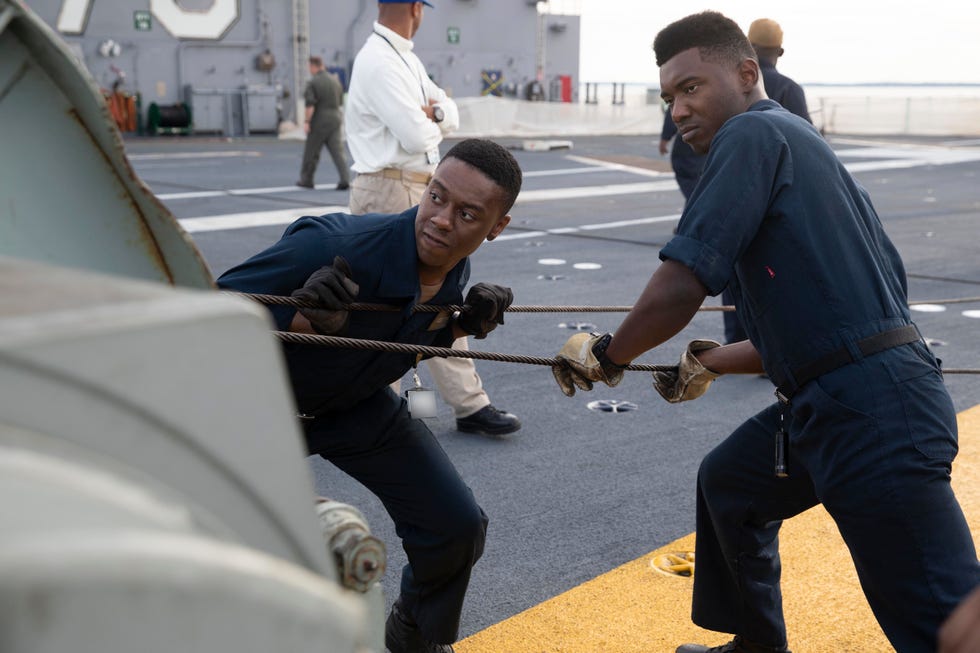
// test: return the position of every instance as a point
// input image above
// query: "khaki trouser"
(394, 191)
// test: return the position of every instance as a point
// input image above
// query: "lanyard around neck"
(425, 98)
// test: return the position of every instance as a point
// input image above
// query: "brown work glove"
(332, 287)
(690, 379)
(582, 362)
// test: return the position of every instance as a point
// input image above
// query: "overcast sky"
(826, 41)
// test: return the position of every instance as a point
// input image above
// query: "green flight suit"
(326, 95)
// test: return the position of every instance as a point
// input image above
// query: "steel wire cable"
(446, 352)
(280, 300)
(442, 352)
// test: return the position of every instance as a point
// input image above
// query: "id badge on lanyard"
(421, 401)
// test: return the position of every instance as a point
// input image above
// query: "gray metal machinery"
(154, 494)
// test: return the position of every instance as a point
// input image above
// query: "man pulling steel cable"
(350, 415)
(863, 419)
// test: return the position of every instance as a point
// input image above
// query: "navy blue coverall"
(784, 90)
(360, 425)
(790, 95)
(777, 218)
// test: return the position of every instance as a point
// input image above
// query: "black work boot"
(403, 636)
(737, 645)
(489, 421)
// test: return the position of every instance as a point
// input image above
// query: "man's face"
(461, 208)
(701, 95)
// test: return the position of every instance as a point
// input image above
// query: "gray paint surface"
(218, 74)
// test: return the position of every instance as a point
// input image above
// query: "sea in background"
(908, 109)
(911, 109)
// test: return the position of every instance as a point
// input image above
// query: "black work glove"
(484, 309)
(333, 287)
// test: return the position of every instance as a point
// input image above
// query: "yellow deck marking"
(636, 609)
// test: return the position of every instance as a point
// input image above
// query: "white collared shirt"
(385, 124)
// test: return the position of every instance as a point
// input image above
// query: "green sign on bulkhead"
(142, 22)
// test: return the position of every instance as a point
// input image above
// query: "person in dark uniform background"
(685, 162)
(324, 125)
(863, 424)
(766, 37)
(349, 413)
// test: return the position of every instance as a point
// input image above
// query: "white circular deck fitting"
(552, 261)
(611, 406)
(928, 308)
(587, 266)
(972, 313)
(578, 326)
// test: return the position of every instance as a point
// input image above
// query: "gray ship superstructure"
(239, 66)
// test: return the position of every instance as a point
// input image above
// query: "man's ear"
(497, 228)
(748, 74)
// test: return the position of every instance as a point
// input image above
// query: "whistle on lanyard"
(782, 446)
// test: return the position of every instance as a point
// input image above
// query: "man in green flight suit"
(324, 97)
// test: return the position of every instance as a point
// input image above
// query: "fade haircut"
(493, 160)
(717, 38)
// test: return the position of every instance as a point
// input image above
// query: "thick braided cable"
(279, 300)
(445, 352)
(430, 308)
(425, 350)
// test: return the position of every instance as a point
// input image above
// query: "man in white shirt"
(395, 120)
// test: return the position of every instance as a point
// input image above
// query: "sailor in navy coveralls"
(349, 413)
(863, 423)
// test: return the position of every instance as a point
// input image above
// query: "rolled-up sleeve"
(745, 168)
(708, 265)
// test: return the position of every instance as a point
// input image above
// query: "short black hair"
(717, 37)
(493, 160)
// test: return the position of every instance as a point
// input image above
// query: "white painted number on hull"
(210, 23)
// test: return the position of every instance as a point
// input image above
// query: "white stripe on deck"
(158, 156)
(231, 221)
(616, 224)
(882, 158)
